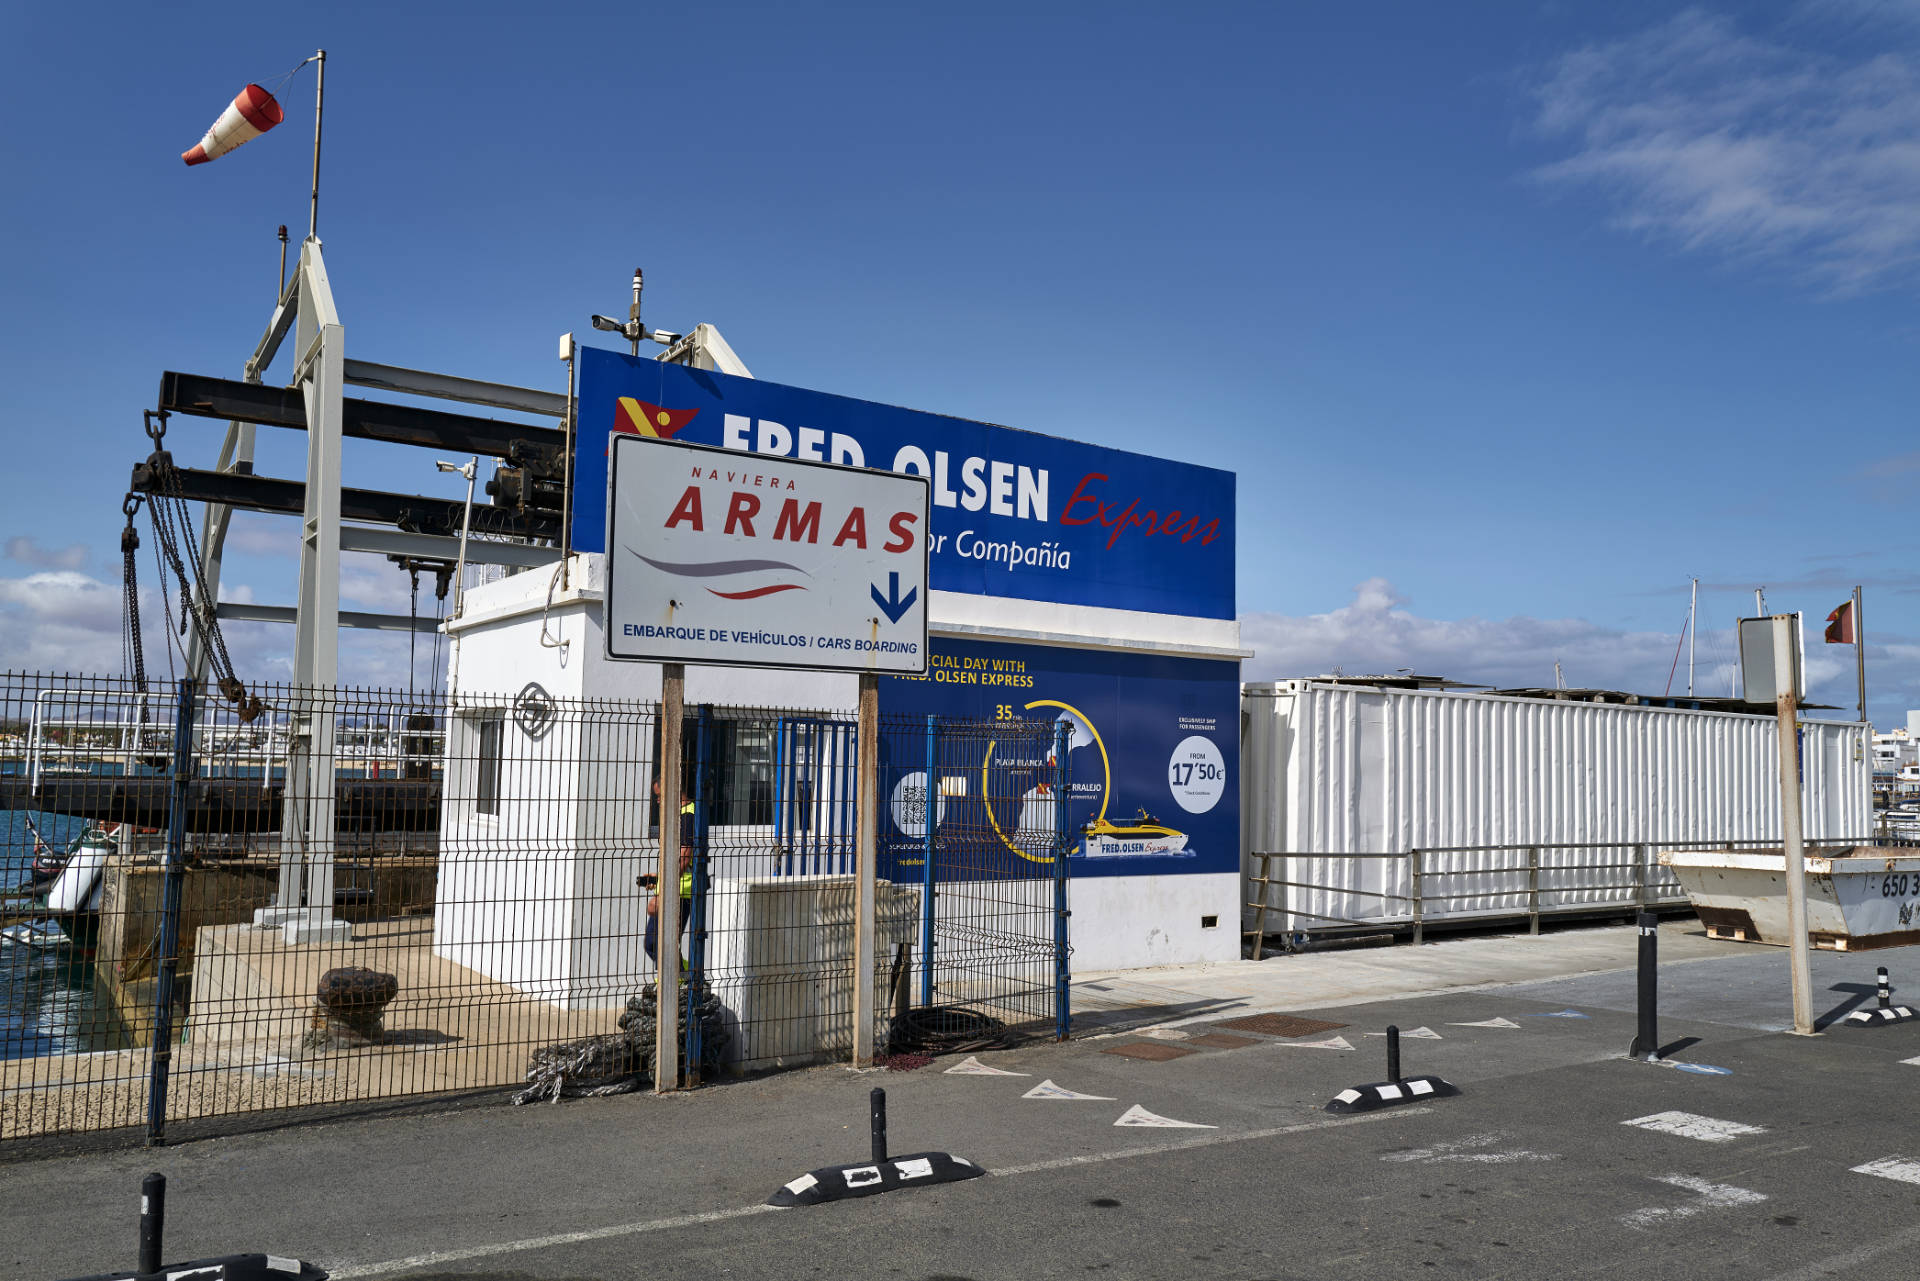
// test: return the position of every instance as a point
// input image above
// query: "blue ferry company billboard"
(1150, 737)
(1015, 513)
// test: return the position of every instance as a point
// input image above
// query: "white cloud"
(25, 550)
(1745, 148)
(1377, 634)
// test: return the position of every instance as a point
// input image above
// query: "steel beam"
(396, 542)
(206, 397)
(237, 612)
(471, 391)
(411, 512)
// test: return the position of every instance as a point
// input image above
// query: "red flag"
(1840, 625)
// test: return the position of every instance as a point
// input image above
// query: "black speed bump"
(1887, 1012)
(881, 1173)
(1395, 1089)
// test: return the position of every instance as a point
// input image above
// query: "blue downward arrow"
(893, 604)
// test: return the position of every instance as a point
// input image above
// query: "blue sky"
(1509, 318)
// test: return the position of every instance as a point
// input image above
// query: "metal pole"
(167, 945)
(566, 488)
(153, 1221)
(1882, 989)
(1413, 858)
(1062, 915)
(319, 108)
(1860, 655)
(878, 1114)
(470, 470)
(1693, 633)
(1393, 1054)
(866, 868)
(666, 1050)
(633, 312)
(926, 871)
(1793, 845)
(1533, 889)
(282, 293)
(1646, 1040)
(696, 907)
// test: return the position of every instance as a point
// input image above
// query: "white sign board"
(1757, 683)
(720, 557)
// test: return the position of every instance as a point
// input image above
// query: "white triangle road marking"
(1892, 1167)
(974, 1067)
(1418, 1034)
(1048, 1090)
(1137, 1115)
(1493, 1022)
(1337, 1043)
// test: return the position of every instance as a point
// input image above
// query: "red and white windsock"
(251, 113)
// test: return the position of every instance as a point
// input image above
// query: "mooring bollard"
(1646, 1041)
(153, 1220)
(879, 1108)
(1393, 1055)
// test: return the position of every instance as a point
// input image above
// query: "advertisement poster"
(1153, 742)
(1014, 513)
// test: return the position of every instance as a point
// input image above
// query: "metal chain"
(133, 649)
(173, 527)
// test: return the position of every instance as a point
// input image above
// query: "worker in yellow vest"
(648, 882)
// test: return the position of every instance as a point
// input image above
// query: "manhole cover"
(1280, 1025)
(1153, 1051)
(1221, 1041)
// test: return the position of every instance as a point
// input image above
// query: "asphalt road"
(1536, 1170)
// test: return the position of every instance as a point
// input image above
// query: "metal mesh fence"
(376, 894)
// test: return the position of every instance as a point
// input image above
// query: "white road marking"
(1707, 1196)
(1470, 1151)
(352, 1271)
(1336, 1043)
(1494, 1022)
(1048, 1090)
(1688, 1125)
(1137, 1115)
(1892, 1167)
(972, 1066)
(1914, 1061)
(1418, 1034)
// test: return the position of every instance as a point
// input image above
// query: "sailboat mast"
(1693, 613)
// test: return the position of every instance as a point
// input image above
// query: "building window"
(486, 791)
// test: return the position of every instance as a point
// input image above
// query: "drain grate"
(1280, 1025)
(1152, 1051)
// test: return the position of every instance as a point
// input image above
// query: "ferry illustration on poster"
(1150, 741)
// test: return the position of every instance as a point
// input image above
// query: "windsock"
(251, 113)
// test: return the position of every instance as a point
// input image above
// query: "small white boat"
(78, 887)
(35, 934)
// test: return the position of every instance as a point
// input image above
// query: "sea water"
(46, 993)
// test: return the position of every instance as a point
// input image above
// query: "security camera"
(610, 324)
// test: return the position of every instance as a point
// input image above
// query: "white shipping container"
(1330, 769)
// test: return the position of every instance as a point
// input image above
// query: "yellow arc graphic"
(1106, 770)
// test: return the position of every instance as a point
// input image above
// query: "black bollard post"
(153, 1220)
(1886, 992)
(1646, 1042)
(1393, 1054)
(879, 1126)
